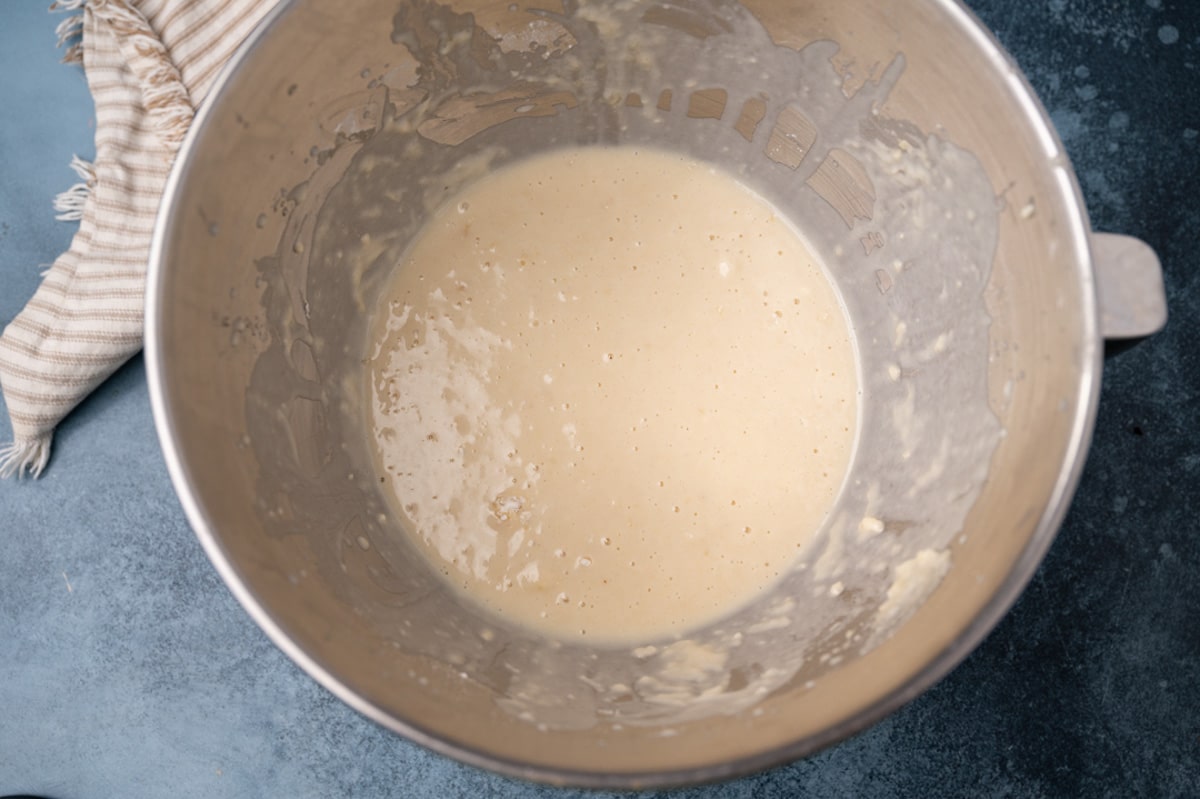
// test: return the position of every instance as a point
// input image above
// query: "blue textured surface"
(126, 668)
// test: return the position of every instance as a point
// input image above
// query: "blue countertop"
(128, 670)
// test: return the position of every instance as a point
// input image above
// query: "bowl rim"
(1084, 417)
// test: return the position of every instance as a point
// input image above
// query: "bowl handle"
(1129, 286)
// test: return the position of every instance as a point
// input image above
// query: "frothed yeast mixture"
(612, 393)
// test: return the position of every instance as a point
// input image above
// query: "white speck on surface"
(1168, 34)
(871, 525)
(912, 582)
(776, 623)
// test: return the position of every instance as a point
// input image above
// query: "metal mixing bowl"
(897, 137)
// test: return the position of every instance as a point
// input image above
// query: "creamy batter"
(612, 392)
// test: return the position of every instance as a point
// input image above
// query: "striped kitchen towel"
(149, 64)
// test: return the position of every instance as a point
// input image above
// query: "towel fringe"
(85, 169)
(164, 96)
(74, 54)
(25, 457)
(70, 203)
(69, 28)
(168, 104)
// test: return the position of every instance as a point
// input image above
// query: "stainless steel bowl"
(897, 136)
